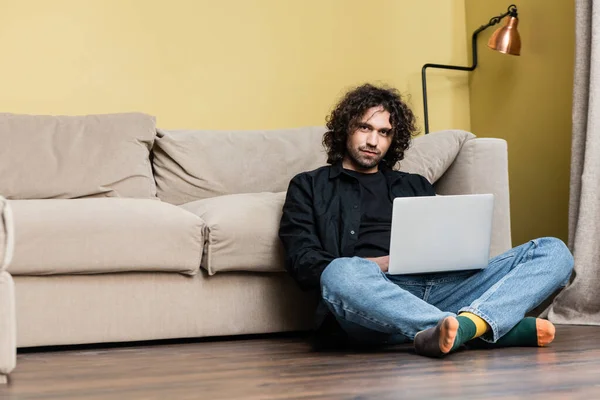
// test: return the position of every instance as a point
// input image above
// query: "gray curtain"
(579, 302)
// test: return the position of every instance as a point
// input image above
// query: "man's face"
(369, 142)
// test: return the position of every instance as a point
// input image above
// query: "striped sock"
(449, 334)
(529, 332)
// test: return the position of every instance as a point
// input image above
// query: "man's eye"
(385, 133)
(364, 128)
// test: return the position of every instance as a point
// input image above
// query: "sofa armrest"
(8, 336)
(482, 167)
(7, 234)
(8, 339)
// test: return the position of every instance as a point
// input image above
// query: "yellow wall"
(250, 64)
(227, 64)
(527, 101)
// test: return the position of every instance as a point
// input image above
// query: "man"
(336, 228)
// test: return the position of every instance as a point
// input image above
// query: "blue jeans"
(373, 307)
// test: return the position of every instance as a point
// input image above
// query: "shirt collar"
(336, 169)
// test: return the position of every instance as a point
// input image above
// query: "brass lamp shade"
(507, 39)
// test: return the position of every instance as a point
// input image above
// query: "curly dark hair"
(347, 114)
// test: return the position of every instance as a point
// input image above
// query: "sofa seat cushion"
(88, 236)
(241, 232)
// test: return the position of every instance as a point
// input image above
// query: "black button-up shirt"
(321, 217)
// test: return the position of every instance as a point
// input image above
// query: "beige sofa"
(124, 232)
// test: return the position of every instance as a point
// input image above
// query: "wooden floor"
(287, 368)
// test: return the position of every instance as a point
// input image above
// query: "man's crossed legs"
(373, 307)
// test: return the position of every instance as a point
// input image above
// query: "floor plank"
(286, 368)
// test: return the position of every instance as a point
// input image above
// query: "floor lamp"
(505, 40)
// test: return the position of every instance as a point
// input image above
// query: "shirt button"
(352, 232)
(355, 207)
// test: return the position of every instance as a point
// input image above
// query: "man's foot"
(545, 332)
(449, 334)
(529, 332)
(439, 340)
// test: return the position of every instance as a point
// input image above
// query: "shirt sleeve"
(422, 186)
(305, 258)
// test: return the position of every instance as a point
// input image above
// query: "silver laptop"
(440, 233)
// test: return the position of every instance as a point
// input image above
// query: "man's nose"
(372, 138)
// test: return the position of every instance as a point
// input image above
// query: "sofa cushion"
(241, 232)
(432, 154)
(6, 234)
(104, 235)
(51, 157)
(193, 165)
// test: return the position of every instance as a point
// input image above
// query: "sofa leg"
(3, 379)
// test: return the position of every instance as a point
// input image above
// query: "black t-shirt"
(376, 215)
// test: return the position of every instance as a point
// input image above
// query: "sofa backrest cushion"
(431, 155)
(193, 165)
(43, 157)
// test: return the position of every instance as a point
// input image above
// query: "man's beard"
(359, 159)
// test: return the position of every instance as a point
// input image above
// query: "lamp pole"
(512, 11)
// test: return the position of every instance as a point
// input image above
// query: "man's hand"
(383, 262)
